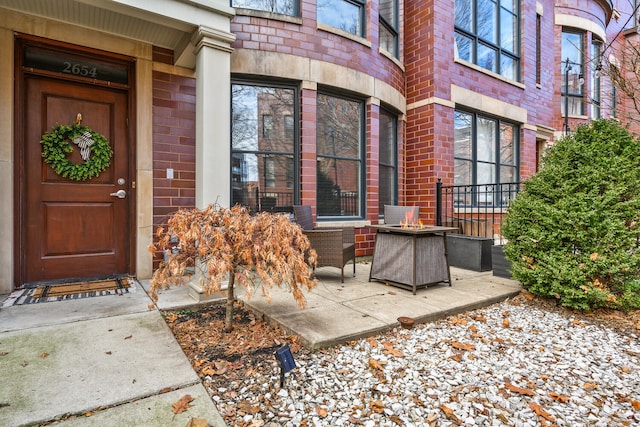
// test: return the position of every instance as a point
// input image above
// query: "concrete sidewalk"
(337, 312)
(111, 361)
(101, 361)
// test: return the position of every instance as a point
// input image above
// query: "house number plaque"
(74, 65)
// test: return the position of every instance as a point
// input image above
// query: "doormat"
(70, 291)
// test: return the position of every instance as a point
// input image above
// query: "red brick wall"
(174, 146)
(306, 41)
(430, 72)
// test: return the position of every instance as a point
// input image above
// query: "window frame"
(392, 27)
(360, 4)
(578, 96)
(497, 158)
(361, 160)
(472, 33)
(263, 155)
(295, 13)
(394, 163)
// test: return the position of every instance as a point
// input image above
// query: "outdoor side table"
(410, 258)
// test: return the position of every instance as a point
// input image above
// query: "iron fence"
(476, 210)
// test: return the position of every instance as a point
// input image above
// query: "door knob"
(120, 194)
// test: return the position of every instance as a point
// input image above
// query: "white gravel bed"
(505, 365)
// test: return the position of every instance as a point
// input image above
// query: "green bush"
(573, 231)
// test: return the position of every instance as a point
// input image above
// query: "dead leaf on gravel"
(462, 346)
(322, 412)
(197, 422)
(457, 357)
(518, 390)
(44, 355)
(377, 406)
(375, 365)
(636, 405)
(372, 342)
(540, 412)
(590, 386)
(396, 419)
(559, 397)
(458, 321)
(448, 412)
(183, 404)
(389, 350)
(505, 323)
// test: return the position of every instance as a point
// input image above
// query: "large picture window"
(487, 33)
(283, 7)
(263, 142)
(486, 152)
(388, 162)
(339, 136)
(389, 27)
(572, 77)
(346, 15)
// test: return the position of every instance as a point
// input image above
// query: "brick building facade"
(383, 99)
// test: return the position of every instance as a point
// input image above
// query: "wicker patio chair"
(394, 215)
(334, 246)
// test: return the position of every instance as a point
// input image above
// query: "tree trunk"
(230, 299)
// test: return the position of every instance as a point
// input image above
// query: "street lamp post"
(567, 68)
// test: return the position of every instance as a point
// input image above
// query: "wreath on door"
(94, 149)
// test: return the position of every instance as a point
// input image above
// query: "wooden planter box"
(501, 266)
(469, 252)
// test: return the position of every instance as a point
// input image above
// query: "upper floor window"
(263, 146)
(389, 27)
(284, 7)
(487, 33)
(339, 136)
(346, 15)
(572, 75)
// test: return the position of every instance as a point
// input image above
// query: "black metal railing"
(273, 201)
(476, 210)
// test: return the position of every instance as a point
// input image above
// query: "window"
(538, 49)
(596, 51)
(267, 125)
(487, 33)
(347, 15)
(388, 163)
(389, 26)
(486, 152)
(263, 160)
(572, 83)
(339, 136)
(283, 7)
(288, 126)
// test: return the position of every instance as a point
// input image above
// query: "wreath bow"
(94, 149)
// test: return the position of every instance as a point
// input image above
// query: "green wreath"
(56, 147)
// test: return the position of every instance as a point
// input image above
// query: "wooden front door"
(74, 229)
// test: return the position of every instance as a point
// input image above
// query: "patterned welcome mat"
(69, 291)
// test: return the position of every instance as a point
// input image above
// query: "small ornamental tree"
(574, 231)
(254, 251)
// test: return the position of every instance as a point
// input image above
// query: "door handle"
(120, 194)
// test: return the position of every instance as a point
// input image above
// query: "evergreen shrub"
(573, 232)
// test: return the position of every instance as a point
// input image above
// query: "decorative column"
(213, 104)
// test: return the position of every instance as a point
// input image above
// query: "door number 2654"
(80, 70)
